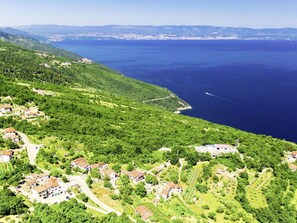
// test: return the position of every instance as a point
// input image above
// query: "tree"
(83, 197)
(68, 170)
(64, 179)
(201, 188)
(174, 159)
(116, 168)
(126, 190)
(94, 173)
(140, 190)
(10, 204)
(125, 179)
(107, 184)
(150, 179)
(130, 167)
(89, 181)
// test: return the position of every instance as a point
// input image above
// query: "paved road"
(32, 149)
(81, 181)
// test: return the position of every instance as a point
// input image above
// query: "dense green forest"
(103, 112)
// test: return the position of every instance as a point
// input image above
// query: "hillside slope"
(254, 184)
(28, 65)
(28, 41)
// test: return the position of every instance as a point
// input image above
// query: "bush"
(205, 207)
(107, 184)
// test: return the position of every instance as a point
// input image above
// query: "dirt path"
(158, 99)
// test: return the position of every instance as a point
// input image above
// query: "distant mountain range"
(59, 33)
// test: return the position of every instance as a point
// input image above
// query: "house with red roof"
(5, 108)
(135, 175)
(169, 189)
(5, 156)
(144, 213)
(11, 133)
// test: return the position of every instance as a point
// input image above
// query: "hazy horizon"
(228, 13)
(161, 25)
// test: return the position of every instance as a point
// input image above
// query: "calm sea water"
(252, 85)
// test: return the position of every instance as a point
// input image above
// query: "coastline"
(179, 110)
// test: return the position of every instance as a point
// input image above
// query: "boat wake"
(223, 98)
(209, 94)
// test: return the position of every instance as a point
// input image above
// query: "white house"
(5, 108)
(49, 188)
(81, 163)
(134, 175)
(39, 177)
(171, 188)
(11, 133)
(100, 166)
(109, 173)
(5, 156)
(216, 149)
(30, 114)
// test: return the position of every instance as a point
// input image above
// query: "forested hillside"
(97, 114)
(27, 65)
(23, 39)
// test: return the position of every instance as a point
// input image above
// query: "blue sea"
(250, 85)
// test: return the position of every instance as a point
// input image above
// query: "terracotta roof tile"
(9, 130)
(144, 212)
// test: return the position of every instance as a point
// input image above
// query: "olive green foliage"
(10, 204)
(116, 129)
(18, 63)
(33, 44)
(150, 179)
(14, 176)
(71, 211)
(140, 190)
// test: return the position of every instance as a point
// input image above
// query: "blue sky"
(244, 13)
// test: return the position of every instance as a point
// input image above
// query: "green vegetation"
(12, 173)
(192, 184)
(23, 64)
(10, 204)
(254, 191)
(33, 44)
(71, 212)
(99, 115)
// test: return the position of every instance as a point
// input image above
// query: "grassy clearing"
(104, 195)
(226, 187)
(176, 207)
(254, 191)
(95, 213)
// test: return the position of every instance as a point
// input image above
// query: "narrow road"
(158, 99)
(81, 181)
(32, 149)
(180, 169)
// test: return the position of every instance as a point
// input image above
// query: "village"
(44, 188)
(85, 180)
